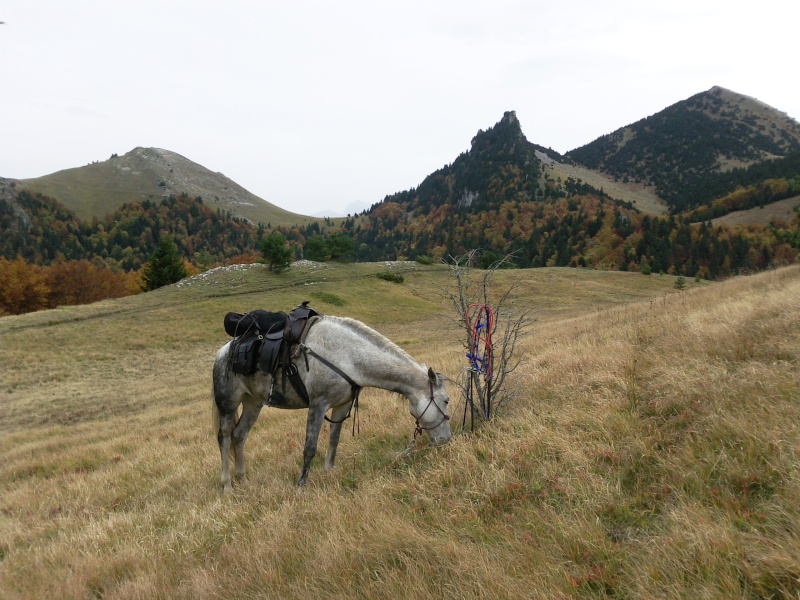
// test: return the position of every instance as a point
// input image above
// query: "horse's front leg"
(338, 415)
(250, 411)
(316, 414)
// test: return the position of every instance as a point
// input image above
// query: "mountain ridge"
(707, 134)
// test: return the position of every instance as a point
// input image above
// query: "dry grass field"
(653, 452)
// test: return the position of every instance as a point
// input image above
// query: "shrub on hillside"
(389, 276)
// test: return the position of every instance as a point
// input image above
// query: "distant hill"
(682, 157)
(678, 149)
(98, 189)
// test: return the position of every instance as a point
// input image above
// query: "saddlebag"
(243, 354)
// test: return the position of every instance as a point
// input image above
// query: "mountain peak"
(709, 133)
(507, 131)
(510, 117)
(500, 163)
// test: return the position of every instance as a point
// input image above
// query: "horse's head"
(431, 411)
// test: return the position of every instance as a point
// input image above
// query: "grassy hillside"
(653, 454)
(643, 197)
(100, 188)
(782, 210)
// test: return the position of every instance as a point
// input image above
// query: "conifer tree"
(276, 253)
(342, 247)
(165, 265)
(318, 249)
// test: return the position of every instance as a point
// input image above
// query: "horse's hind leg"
(251, 409)
(226, 422)
(226, 402)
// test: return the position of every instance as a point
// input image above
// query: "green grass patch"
(328, 298)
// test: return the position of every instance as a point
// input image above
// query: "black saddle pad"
(237, 324)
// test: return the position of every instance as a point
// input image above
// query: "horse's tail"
(217, 374)
(219, 383)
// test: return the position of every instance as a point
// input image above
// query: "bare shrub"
(487, 391)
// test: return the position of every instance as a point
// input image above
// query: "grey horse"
(342, 356)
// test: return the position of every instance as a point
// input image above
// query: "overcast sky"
(329, 106)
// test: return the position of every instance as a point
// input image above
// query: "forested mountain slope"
(680, 148)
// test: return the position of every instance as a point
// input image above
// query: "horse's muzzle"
(440, 440)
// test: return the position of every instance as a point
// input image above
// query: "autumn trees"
(26, 287)
(23, 287)
(42, 231)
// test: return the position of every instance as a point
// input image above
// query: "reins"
(354, 387)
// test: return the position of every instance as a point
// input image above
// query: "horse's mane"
(373, 337)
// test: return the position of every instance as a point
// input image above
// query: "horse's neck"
(374, 360)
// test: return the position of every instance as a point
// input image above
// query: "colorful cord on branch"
(480, 322)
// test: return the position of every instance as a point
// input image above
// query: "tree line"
(42, 231)
(578, 231)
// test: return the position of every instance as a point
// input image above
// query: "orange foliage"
(26, 288)
(23, 287)
(82, 282)
(244, 259)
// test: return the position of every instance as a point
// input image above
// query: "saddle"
(266, 341)
(237, 325)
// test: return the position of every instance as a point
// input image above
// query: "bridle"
(419, 428)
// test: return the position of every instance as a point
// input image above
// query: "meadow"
(652, 451)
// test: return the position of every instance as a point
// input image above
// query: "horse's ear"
(433, 377)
